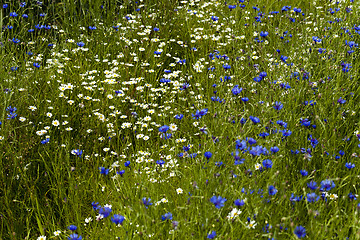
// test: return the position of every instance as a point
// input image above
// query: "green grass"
(45, 188)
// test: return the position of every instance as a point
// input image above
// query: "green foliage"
(106, 99)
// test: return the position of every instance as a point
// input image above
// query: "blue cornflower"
(146, 202)
(262, 75)
(117, 219)
(200, 114)
(258, 150)
(274, 149)
(283, 58)
(166, 136)
(13, 14)
(95, 205)
(282, 123)
(164, 128)
(74, 236)
(186, 148)
(294, 198)
(236, 90)
(80, 44)
(327, 185)
(46, 140)
(208, 155)
(239, 161)
(304, 173)
(244, 99)
(312, 197)
(167, 216)
(254, 119)
(272, 190)
(305, 122)
(239, 202)
(72, 227)
(341, 101)
(77, 152)
(312, 185)
(300, 231)
(105, 212)
(286, 132)
(251, 141)
(263, 34)
(267, 163)
(179, 116)
(104, 171)
(278, 106)
(160, 162)
(219, 164)
(212, 235)
(349, 165)
(214, 18)
(121, 172)
(127, 163)
(37, 65)
(241, 145)
(218, 201)
(352, 196)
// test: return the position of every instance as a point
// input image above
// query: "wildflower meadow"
(166, 119)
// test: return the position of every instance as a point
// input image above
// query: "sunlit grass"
(223, 116)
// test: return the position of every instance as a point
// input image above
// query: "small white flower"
(55, 123)
(57, 233)
(234, 213)
(87, 220)
(251, 224)
(179, 191)
(257, 166)
(32, 108)
(41, 238)
(173, 127)
(146, 138)
(332, 196)
(22, 119)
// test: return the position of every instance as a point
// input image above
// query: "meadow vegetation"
(179, 119)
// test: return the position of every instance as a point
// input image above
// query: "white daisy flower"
(179, 191)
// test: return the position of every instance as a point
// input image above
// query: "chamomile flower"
(173, 127)
(257, 166)
(57, 233)
(55, 123)
(179, 191)
(234, 213)
(32, 108)
(41, 238)
(251, 224)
